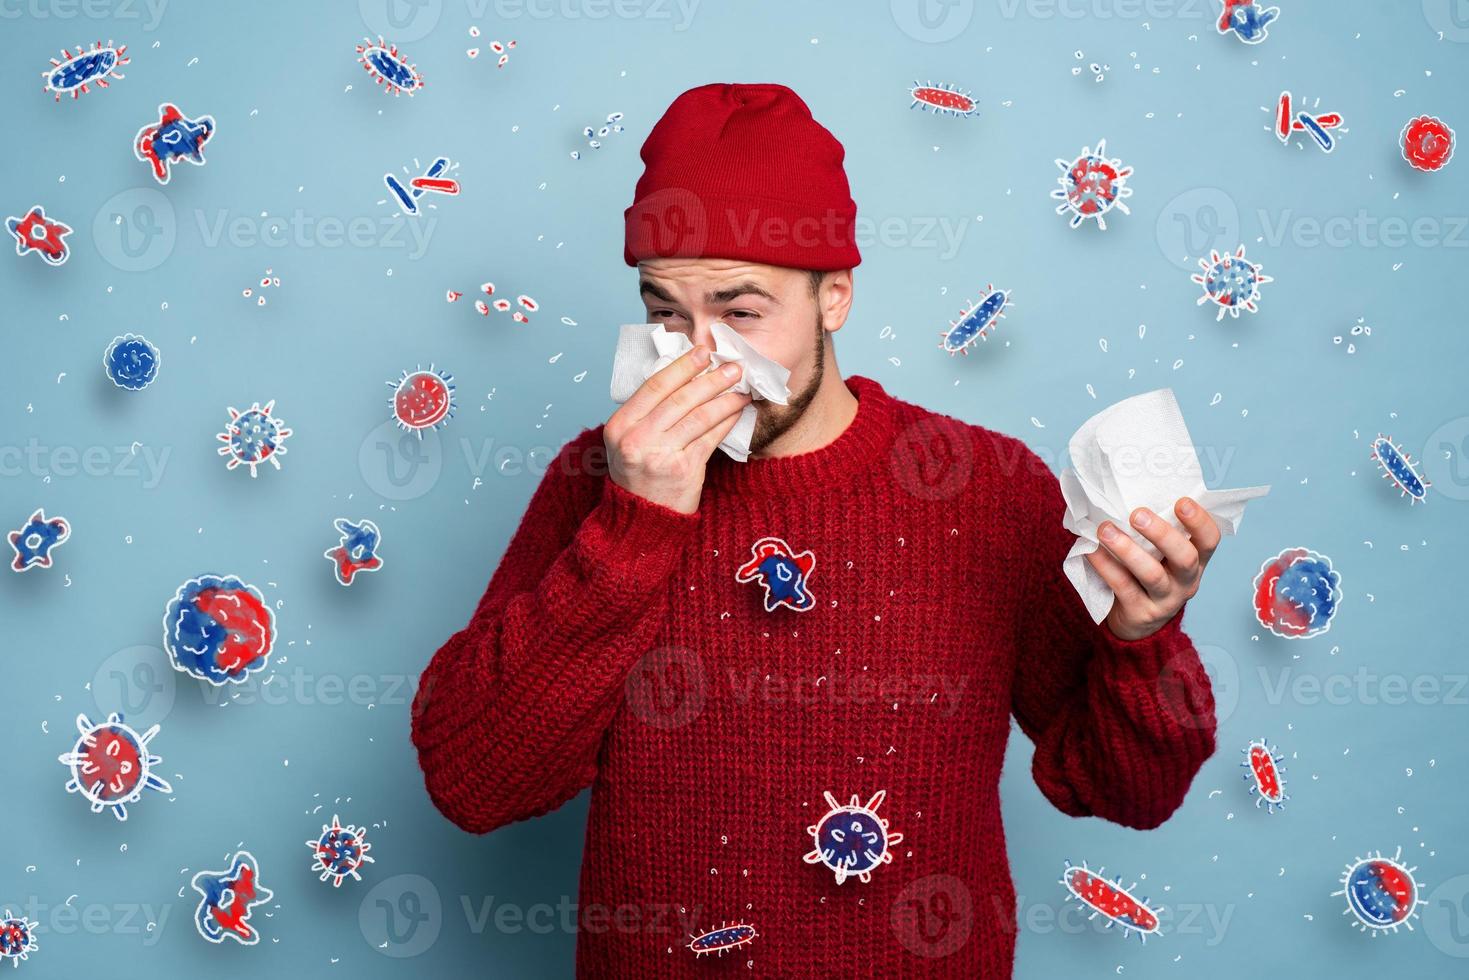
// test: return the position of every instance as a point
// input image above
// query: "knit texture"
(743, 172)
(615, 649)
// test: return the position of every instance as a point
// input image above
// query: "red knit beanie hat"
(743, 172)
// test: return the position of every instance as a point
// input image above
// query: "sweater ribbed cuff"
(630, 544)
(1145, 659)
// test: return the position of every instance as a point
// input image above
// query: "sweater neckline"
(861, 446)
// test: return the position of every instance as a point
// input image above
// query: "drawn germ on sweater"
(1231, 282)
(1266, 775)
(228, 896)
(1397, 466)
(111, 766)
(1297, 594)
(1092, 185)
(852, 839)
(722, 940)
(340, 852)
(1381, 893)
(977, 321)
(785, 574)
(1111, 901)
(17, 938)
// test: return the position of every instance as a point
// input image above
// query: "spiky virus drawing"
(340, 852)
(17, 938)
(1381, 893)
(851, 840)
(253, 437)
(111, 765)
(1092, 185)
(422, 400)
(1231, 282)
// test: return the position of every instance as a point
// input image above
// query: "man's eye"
(741, 315)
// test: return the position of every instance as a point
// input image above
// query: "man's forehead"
(690, 277)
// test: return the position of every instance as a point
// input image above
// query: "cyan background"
(1373, 765)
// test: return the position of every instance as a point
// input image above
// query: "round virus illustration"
(252, 437)
(340, 852)
(74, 74)
(111, 766)
(388, 67)
(1231, 282)
(977, 321)
(17, 938)
(1091, 186)
(1381, 893)
(1297, 594)
(219, 629)
(131, 362)
(852, 839)
(422, 399)
(1428, 144)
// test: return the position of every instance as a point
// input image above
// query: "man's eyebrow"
(736, 291)
(646, 288)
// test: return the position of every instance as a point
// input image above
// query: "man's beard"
(773, 421)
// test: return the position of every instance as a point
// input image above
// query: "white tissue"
(1135, 454)
(644, 349)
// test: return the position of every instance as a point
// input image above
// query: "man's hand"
(1151, 592)
(660, 439)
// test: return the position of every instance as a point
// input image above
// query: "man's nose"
(703, 333)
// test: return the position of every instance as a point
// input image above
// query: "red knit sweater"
(615, 649)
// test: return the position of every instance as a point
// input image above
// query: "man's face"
(773, 308)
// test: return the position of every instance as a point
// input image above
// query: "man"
(644, 636)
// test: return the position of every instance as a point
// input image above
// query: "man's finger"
(705, 445)
(1200, 525)
(1182, 556)
(695, 392)
(662, 384)
(1116, 575)
(710, 415)
(1148, 571)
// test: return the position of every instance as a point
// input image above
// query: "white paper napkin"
(643, 349)
(1135, 454)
